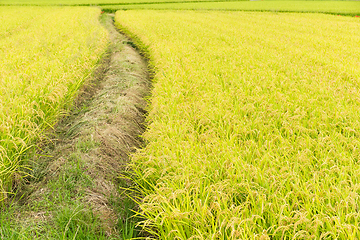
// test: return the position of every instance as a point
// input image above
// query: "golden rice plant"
(46, 54)
(254, 126)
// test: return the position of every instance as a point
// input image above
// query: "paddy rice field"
(253, 126)
(253, 122)
(44, 61)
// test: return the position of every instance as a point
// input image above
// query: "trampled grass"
(334, 7)
(46, 53)
(254, 126)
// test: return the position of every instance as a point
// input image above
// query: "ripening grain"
(254, 126)
(46, 53)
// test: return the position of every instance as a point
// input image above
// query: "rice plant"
(46, 54)
(254, 125)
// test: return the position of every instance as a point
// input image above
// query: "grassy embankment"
(75, 191)
(46, 55)
(254, 126)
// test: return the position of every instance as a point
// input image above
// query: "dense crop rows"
(334, 7)
(46, 53)
(254, 126)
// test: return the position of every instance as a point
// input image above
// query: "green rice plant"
(46, 54)
(332, 7)
(253, 127)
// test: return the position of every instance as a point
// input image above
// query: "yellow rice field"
(46, 54)
(254, 125)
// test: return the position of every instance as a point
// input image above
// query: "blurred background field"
(333, 7)
(86, 2)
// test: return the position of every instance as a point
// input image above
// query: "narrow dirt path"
(76, 188)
